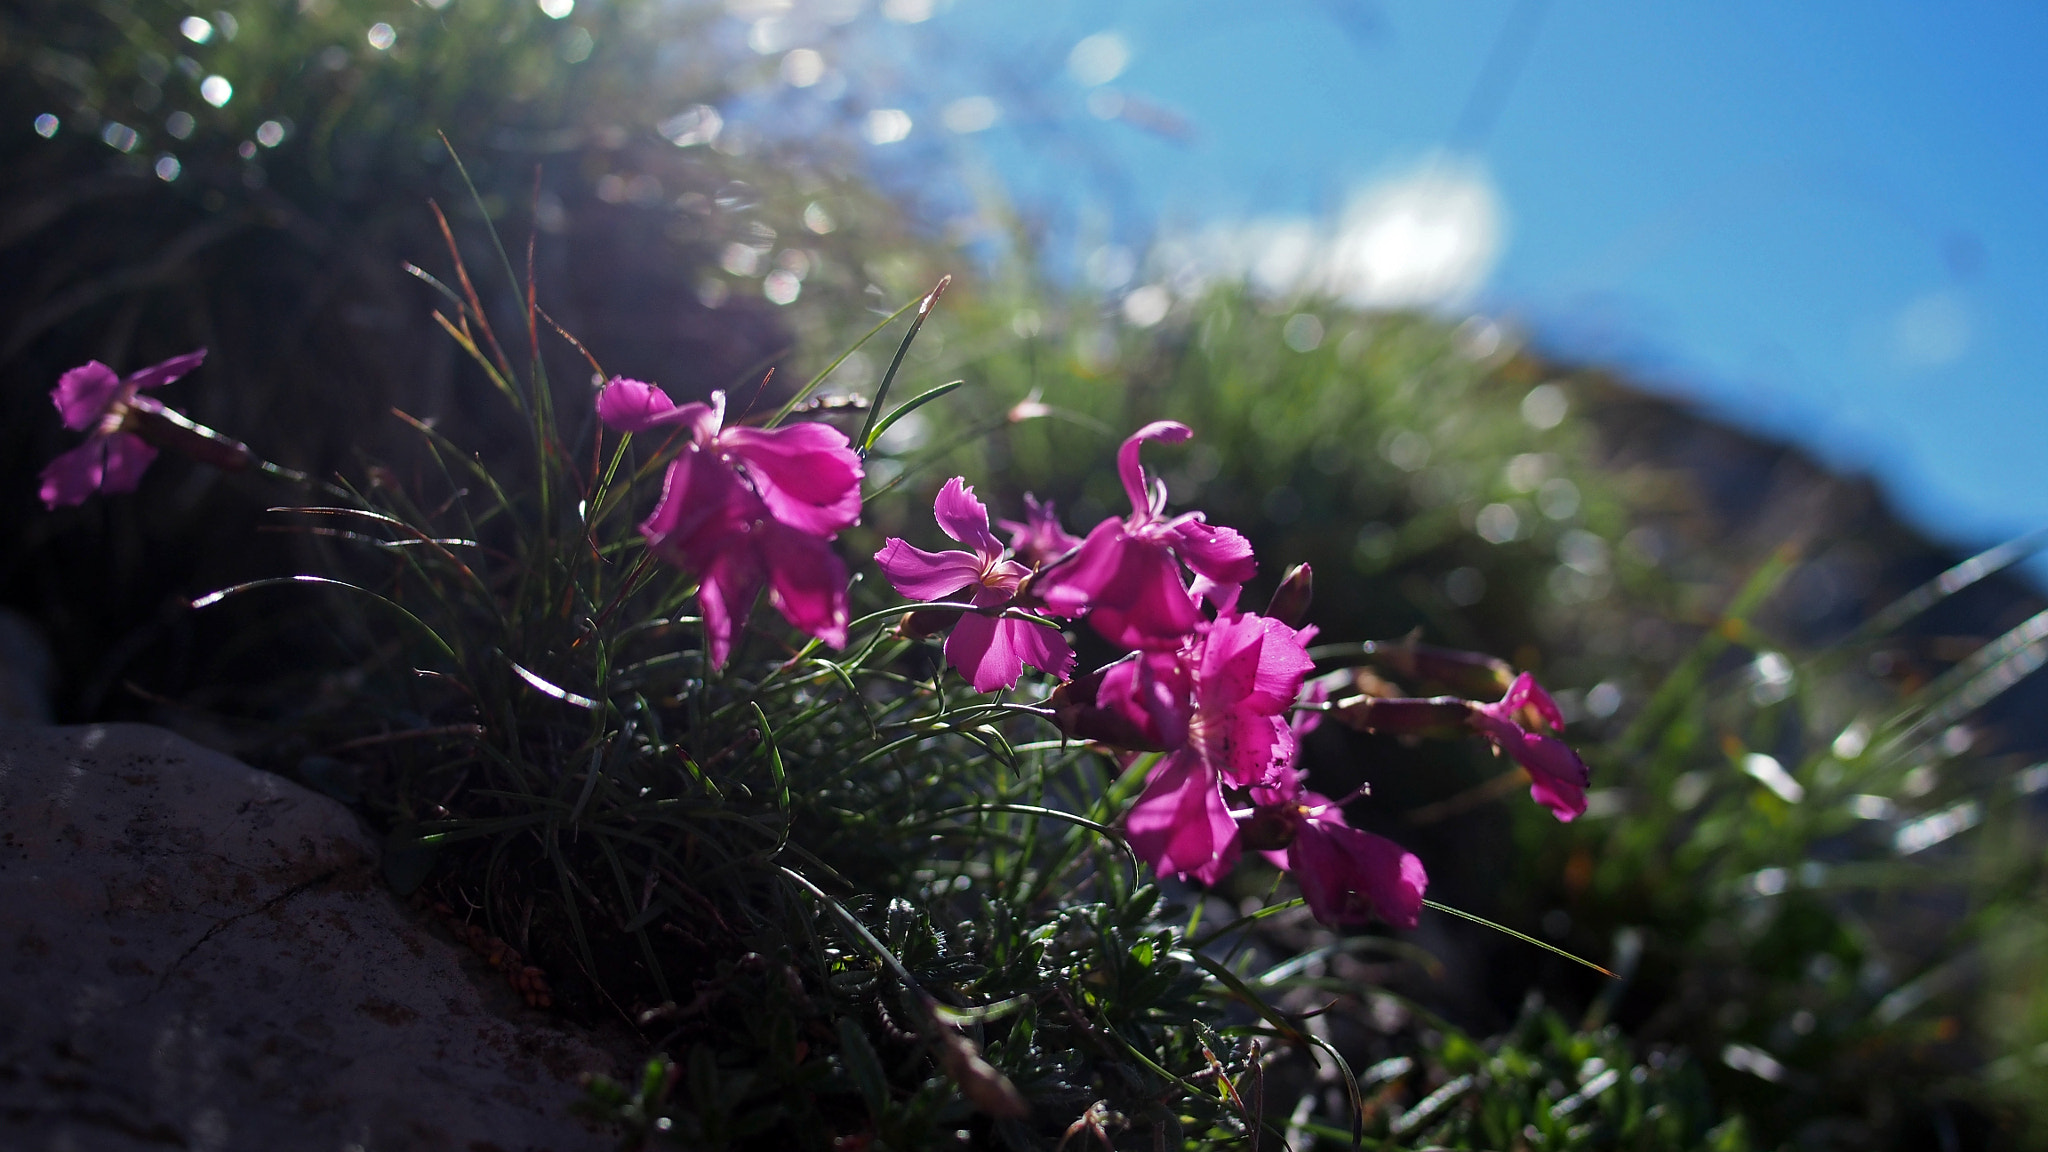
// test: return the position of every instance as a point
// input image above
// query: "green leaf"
(909, 406)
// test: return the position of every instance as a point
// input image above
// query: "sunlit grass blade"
(1523, 937)
(924, 311)
(1979, 567)
(882, 426)
(218, 595)
(804, 393)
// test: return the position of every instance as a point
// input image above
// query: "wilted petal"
(807, 474)
(964, 518)
(1131, 472)
(806, 581)
(157, 375)
(1347, 875)
(1180, 823)
(923, 575)
(82, 396)
(75, 475)
(127, 457)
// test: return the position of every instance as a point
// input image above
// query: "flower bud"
(1291, 599)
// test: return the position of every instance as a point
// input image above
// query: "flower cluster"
(1223, 693)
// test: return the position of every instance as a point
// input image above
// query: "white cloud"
(1427, 237)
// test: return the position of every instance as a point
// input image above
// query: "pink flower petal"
(1180, 825)
(636, 406)
(702, 504)
(807, 474)
(1041, 647)
(82, 396)
(1557, 777)
(157, 375)
(1221, 554)
(75, 475)
(923, 575)
(1246, 748)
(965, 519)
(1151, 691)
(1347, 875)
(982, 650)
(725, 598)
(1038, 538)
(1144, 604)
(127, 456)
(1070, 589)
(1131, 472)
(806, 581)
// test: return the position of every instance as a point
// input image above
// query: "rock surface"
(197, 954)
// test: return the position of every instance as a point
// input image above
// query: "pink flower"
(990, 650)
(806, 474)
(1180, 824)
(1346, 875)
(1227, 693)
(746, 509)
(1557, 777)
(113, 457)
(1125, 576)
(1038, 539)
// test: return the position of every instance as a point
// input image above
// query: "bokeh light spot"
(886, 125)
(216, 90)
(1098, 59)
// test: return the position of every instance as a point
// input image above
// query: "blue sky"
(1827, 220)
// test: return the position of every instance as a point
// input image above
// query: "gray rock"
(197, 954)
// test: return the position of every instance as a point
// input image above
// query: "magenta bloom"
(806, 474)
(746, 509)
(1228, 691)
(1557, 777)
(1180, 825)
(113, 457)
(990, 650)
(1038, 539)
(1346, 875)
(1125, 576)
